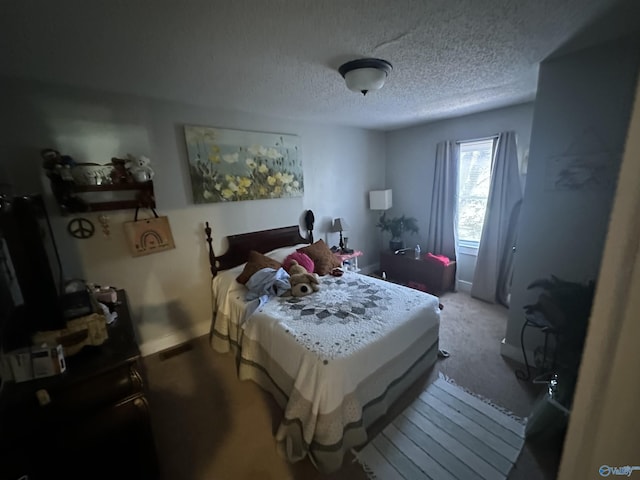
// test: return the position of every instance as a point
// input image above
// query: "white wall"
(169, 291)
(411, 162)
(583, 107)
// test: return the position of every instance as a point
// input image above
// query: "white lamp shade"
(380, 200)
(365, 79)
(339, 225)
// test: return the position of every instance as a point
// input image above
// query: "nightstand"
(436, 277)
(346, 257)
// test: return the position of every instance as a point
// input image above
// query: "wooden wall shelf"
(74, 198)
(114, 187)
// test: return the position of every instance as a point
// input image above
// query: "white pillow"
(225, 281)
(279, 254)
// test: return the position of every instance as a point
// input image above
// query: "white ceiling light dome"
(365, 74)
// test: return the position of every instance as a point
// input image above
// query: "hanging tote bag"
(148, 235)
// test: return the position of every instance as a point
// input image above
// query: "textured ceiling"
(280, 58)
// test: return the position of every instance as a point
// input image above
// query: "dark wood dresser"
(436, 277)
(97, 423)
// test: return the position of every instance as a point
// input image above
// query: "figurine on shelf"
(57, 165)
(120, 174)
(50, 159)
(140, 168)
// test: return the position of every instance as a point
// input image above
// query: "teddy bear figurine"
(119, 172)
(140, 168)
(302, 282)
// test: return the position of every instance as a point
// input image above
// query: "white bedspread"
(329, 356)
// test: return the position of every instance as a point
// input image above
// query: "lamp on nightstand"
(380, 199)
(338, 226)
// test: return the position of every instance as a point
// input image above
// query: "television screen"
(31, 274)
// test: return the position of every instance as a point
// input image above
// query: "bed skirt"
(351, 420)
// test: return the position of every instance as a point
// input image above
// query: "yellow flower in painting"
(296, 184)
(263, 168)
(226, 193)
(250, 163)
(232, 186)
(262, 190)
(288, 188)
(214, 158)
(271, 180)
(244, 182)
(218, 186)
(277, 190)
(229, 178)
(207, 194)
(278, 176)
(242, 191)
(287, 178)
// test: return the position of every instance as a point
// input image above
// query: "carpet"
(445, 434)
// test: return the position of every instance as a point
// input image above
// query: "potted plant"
(397, 226)
(565, 307)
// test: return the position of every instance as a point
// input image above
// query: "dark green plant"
(398, 225)
(567, 307)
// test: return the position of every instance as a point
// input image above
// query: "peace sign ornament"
(81, 228)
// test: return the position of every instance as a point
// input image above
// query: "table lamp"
(380, 199)
(338, 226)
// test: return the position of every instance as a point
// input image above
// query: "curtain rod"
(490, 137)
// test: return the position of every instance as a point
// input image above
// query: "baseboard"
(367, 269)
(175, 338)
(515, 353)
(464, 286)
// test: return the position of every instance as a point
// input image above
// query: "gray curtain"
(494, 265)
(441, 236)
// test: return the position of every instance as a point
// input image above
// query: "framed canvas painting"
(233, 165)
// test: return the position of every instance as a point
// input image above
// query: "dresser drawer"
(115, 442)
(98, 391)
(70, 403)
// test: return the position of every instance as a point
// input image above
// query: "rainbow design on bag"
(150, 240)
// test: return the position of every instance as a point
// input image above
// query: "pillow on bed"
(302, 259)
(279, 254)
(322, 256)
(255, 262)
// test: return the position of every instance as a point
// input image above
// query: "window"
(474, 179)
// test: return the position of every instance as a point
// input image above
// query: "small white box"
(35, 362)
(380, 199)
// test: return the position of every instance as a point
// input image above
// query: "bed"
(335, 360)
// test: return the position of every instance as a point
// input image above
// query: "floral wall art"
(233, 165)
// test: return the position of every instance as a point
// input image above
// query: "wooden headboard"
(262, 241)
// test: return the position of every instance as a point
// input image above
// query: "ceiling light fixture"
(365, 74)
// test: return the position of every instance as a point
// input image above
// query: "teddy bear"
(140, 168)
(302, 282)
(119, 172)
